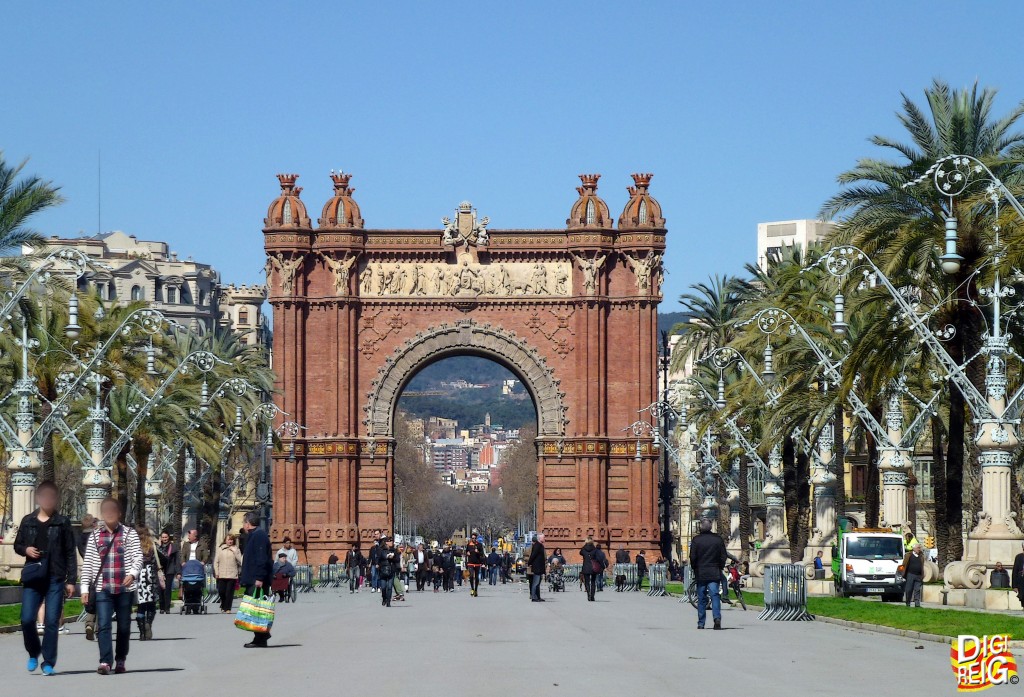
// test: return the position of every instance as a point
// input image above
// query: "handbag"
(36, 572)
(90, 607)
(596, 566)
(256, 613)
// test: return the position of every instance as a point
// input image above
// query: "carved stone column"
(154, 489)
(775, 548)
(894, 464)
(823, 480)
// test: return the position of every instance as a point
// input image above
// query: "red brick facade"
(571, 311)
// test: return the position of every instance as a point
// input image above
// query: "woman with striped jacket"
(113, 561)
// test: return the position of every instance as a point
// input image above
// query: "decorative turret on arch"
(287, 210)
(590, 210)
(462, 337)
(642, 211)
(341, 210)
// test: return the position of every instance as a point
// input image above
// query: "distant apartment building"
(186, 291)
(772, 237)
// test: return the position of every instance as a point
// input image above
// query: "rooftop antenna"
(99, 192)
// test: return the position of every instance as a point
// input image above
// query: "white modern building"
(772, 237)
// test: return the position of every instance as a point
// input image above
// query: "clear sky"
(745, 112)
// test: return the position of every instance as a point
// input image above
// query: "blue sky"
(745, 112)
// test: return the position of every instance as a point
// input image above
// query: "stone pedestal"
(894, 465)
(997, 536)
(823, 481)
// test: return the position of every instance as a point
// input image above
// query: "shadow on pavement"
(140, 670)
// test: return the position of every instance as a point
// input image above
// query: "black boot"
(141, 622)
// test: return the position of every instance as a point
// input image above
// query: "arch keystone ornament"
(358, 312)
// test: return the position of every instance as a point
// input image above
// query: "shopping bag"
(256, 613)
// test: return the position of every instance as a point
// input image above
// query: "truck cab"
(866, 563)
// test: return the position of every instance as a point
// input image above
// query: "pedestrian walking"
(913, 572)
(353, 567)
(641, 569)
(257, 568)
(707, 560)
(47, 541)
(422, 567)
(194, 548)
(113, 562)
(168, 553)
(536, 567)
(594, 564)
(386, 559)
(493, 566)
(227, 565)
(475, 560)
(151, 580)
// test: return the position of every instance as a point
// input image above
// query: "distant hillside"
(667, 320)
(430, 393)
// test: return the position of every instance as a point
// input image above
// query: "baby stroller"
(193, 583)
(556, 578)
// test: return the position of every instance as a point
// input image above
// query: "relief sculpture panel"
(466, 278)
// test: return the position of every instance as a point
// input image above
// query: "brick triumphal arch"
(571, 311)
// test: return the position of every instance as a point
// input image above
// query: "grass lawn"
(929, 620)
(11, 614)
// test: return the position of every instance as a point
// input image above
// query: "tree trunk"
(47, 469)
(799, 536)
(939, 493)
(178, 508)
(791, 490)
(952, 515)
(839, 460)
(871, 492)
(744, 509)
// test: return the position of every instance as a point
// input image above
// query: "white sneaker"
(40, 628)
(63, 630)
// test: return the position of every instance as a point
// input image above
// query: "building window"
(202, 297)
(591, 212)
(243, 316)
(137, 293)
(172, 295)
(111, 291)
(643, 212)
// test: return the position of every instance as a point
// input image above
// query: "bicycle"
(691, 592)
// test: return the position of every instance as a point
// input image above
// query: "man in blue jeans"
(46, 540)
(707, 559)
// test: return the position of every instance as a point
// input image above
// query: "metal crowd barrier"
(658, 575)
(785, 593)
(303, 581)
(211, 595)
(687, 580)
(572, 572)
(629, 573)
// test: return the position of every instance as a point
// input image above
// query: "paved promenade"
(498, 644)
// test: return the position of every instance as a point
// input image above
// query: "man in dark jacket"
(535, 567)
(1017, 580)
(641, 569)
(257, 568)
(707, 559)
(493, 565)
(621, 557)
(353, 566)
(47, 541)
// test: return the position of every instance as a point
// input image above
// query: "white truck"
(867, 562)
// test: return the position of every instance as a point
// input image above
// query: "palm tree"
(901, 228)
(20, 199)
